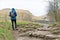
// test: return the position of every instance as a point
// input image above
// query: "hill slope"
(22, 14)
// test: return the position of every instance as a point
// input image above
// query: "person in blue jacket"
(13, 15)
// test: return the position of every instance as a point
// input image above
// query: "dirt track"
(18, 36)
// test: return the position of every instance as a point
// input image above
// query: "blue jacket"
(13, 18)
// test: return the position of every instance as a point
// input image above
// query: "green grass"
(5, 34)
(58, 23)
(19, 23)
(5, 31)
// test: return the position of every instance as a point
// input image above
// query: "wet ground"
(35, 34)
(29, 38)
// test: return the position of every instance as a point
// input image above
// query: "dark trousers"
(13, 24)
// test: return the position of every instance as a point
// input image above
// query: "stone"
(22, 30)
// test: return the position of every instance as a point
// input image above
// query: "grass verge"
(5, 31)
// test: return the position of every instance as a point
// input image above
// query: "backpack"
(12, 14)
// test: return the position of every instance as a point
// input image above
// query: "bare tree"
(53, 10)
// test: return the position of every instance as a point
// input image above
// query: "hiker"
(13, 15)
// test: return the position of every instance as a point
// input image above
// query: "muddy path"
(41, 33)
(18, 36)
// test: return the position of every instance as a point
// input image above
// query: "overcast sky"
(36, 7)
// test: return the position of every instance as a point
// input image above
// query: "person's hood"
(12, 10)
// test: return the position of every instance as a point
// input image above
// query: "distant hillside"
(22, 14)
(38, 17)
